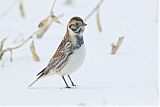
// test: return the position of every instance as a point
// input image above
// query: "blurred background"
(130, 77)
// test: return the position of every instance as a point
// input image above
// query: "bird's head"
(76, 25)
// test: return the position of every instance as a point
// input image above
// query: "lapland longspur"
(70, 54)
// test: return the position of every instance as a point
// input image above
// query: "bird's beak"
(84, 24)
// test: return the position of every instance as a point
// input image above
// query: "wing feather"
(59, 58)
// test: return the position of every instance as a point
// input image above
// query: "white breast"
(74, 61)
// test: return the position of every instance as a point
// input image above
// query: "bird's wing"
(59, 59)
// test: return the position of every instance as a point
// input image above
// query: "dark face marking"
(73, 27)
(77, 19)
(80, 42)
(75, 24)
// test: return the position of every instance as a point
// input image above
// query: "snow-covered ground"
(129, 77)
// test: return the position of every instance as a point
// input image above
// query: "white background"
(129, 77)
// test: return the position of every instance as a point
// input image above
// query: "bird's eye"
(77, 24)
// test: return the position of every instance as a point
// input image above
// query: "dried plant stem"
(43, 26)
(25, 41)
(2, 43)
(54, 2)
(18, 46)
(46, 23)
(117, 45)
(91, 13)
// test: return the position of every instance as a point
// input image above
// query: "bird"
(70, 54)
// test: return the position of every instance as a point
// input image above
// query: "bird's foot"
(68, 87)
(74, 85)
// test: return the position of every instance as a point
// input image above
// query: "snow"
(128, 78)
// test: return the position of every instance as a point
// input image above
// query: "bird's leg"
(66, 82)
(71, 81)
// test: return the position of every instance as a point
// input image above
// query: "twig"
(2, 43)
(16, 47)
(54, 2)
(42, 30)
(46, 23)
(90, 14)
(25, 41)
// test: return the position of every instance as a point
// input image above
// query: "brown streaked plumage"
(70, 54)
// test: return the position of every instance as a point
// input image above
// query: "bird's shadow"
(49, 88)
(72, 88)
(122, 54)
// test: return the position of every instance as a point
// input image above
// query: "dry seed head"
(55, 19)
(117, 45)
(21, 8)
(33, 51)
(42, 30)
(98, 21)
(43, 23)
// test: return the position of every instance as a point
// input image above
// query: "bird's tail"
(33, 82)
(40, 74)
